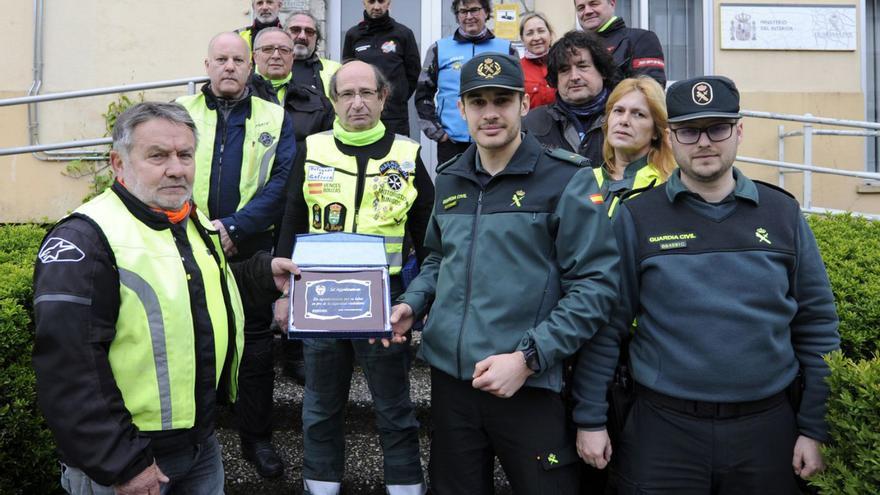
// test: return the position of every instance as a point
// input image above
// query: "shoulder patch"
(569, 157)
(775, 187)
(447, 163)
(58, 250)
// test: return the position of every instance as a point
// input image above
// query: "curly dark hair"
(559, 57)
(486, 4)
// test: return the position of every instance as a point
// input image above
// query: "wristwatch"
(531, 356)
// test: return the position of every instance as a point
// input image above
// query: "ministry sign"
(788, 27)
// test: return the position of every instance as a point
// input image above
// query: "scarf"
(174, 216)
(358, 138)
(581, 115)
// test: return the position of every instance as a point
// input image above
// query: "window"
(678, 24)
(872, 96)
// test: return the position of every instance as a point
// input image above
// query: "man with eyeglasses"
(272, 80)
(635, 51)
(310, 111)
(733, 313)
(245, 149)
(437, 90)
(265, 14)
(359, 177)
(308, 68)
(389, 45)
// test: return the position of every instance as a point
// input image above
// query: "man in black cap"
(733, 314)
(521, 271)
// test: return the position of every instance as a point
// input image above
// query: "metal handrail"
(90, 155)
(810, 119)
(84, 93)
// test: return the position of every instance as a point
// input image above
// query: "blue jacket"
(437, 90)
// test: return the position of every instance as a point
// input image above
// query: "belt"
(716, 410)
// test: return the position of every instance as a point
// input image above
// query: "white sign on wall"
(788, 27)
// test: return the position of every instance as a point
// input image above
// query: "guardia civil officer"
(359, 177)
(522, 270)
(731, 302)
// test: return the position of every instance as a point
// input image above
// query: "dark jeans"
(528, 432)
(448, 149)
(329, 365)
(665, 451)
(256, 378)
(196, 470)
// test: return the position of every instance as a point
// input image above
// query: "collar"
(744, 188)
(149, 217)
(613, 24)
(276, 83)
(486, 35)
(632, 168)
(377, 24)
(214, 103)
(257, 25)
(523, 161)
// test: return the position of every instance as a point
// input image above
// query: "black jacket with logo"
(75, 386)
(392, 48)
(635, 51)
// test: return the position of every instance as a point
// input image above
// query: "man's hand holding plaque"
(402, 319)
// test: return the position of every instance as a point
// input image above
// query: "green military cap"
(491, 70)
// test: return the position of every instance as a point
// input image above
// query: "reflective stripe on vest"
(331, 183)
(152, 355)
(646, 178)
(451, 55)
(262, 132)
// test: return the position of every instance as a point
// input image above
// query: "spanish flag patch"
(596, 199)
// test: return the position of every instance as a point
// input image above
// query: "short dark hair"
(559, 56)
(486, 4)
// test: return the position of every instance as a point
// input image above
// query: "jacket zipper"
(219, 172)
(359, 194)
(467, 290)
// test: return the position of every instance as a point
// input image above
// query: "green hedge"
(850, 247)
(28, 464)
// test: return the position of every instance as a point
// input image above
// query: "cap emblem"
(701, 93)
(489, 69)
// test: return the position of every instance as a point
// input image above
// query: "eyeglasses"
(469, 12)
(365, 94)
(295, 30)
(715, 133)
(270, 49)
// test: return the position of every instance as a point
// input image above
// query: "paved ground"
(363, 455)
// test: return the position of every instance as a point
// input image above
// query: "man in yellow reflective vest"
(308, 68)
(362, 178)
(265, 14)
(139, 320)
(246, 148)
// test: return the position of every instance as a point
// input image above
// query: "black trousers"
(256, 377)
(528, 432)
(662, 451)
(448, 149)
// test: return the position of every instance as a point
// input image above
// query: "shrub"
(849, 247)
(852, 457)
(27, 453)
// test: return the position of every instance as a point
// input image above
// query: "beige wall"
(825, 84)
(91, 44)
(88, 44)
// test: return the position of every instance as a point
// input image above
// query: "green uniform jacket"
(529, 259)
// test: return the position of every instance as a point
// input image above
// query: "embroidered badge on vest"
(266, 139)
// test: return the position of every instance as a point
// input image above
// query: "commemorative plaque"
(342, 290)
